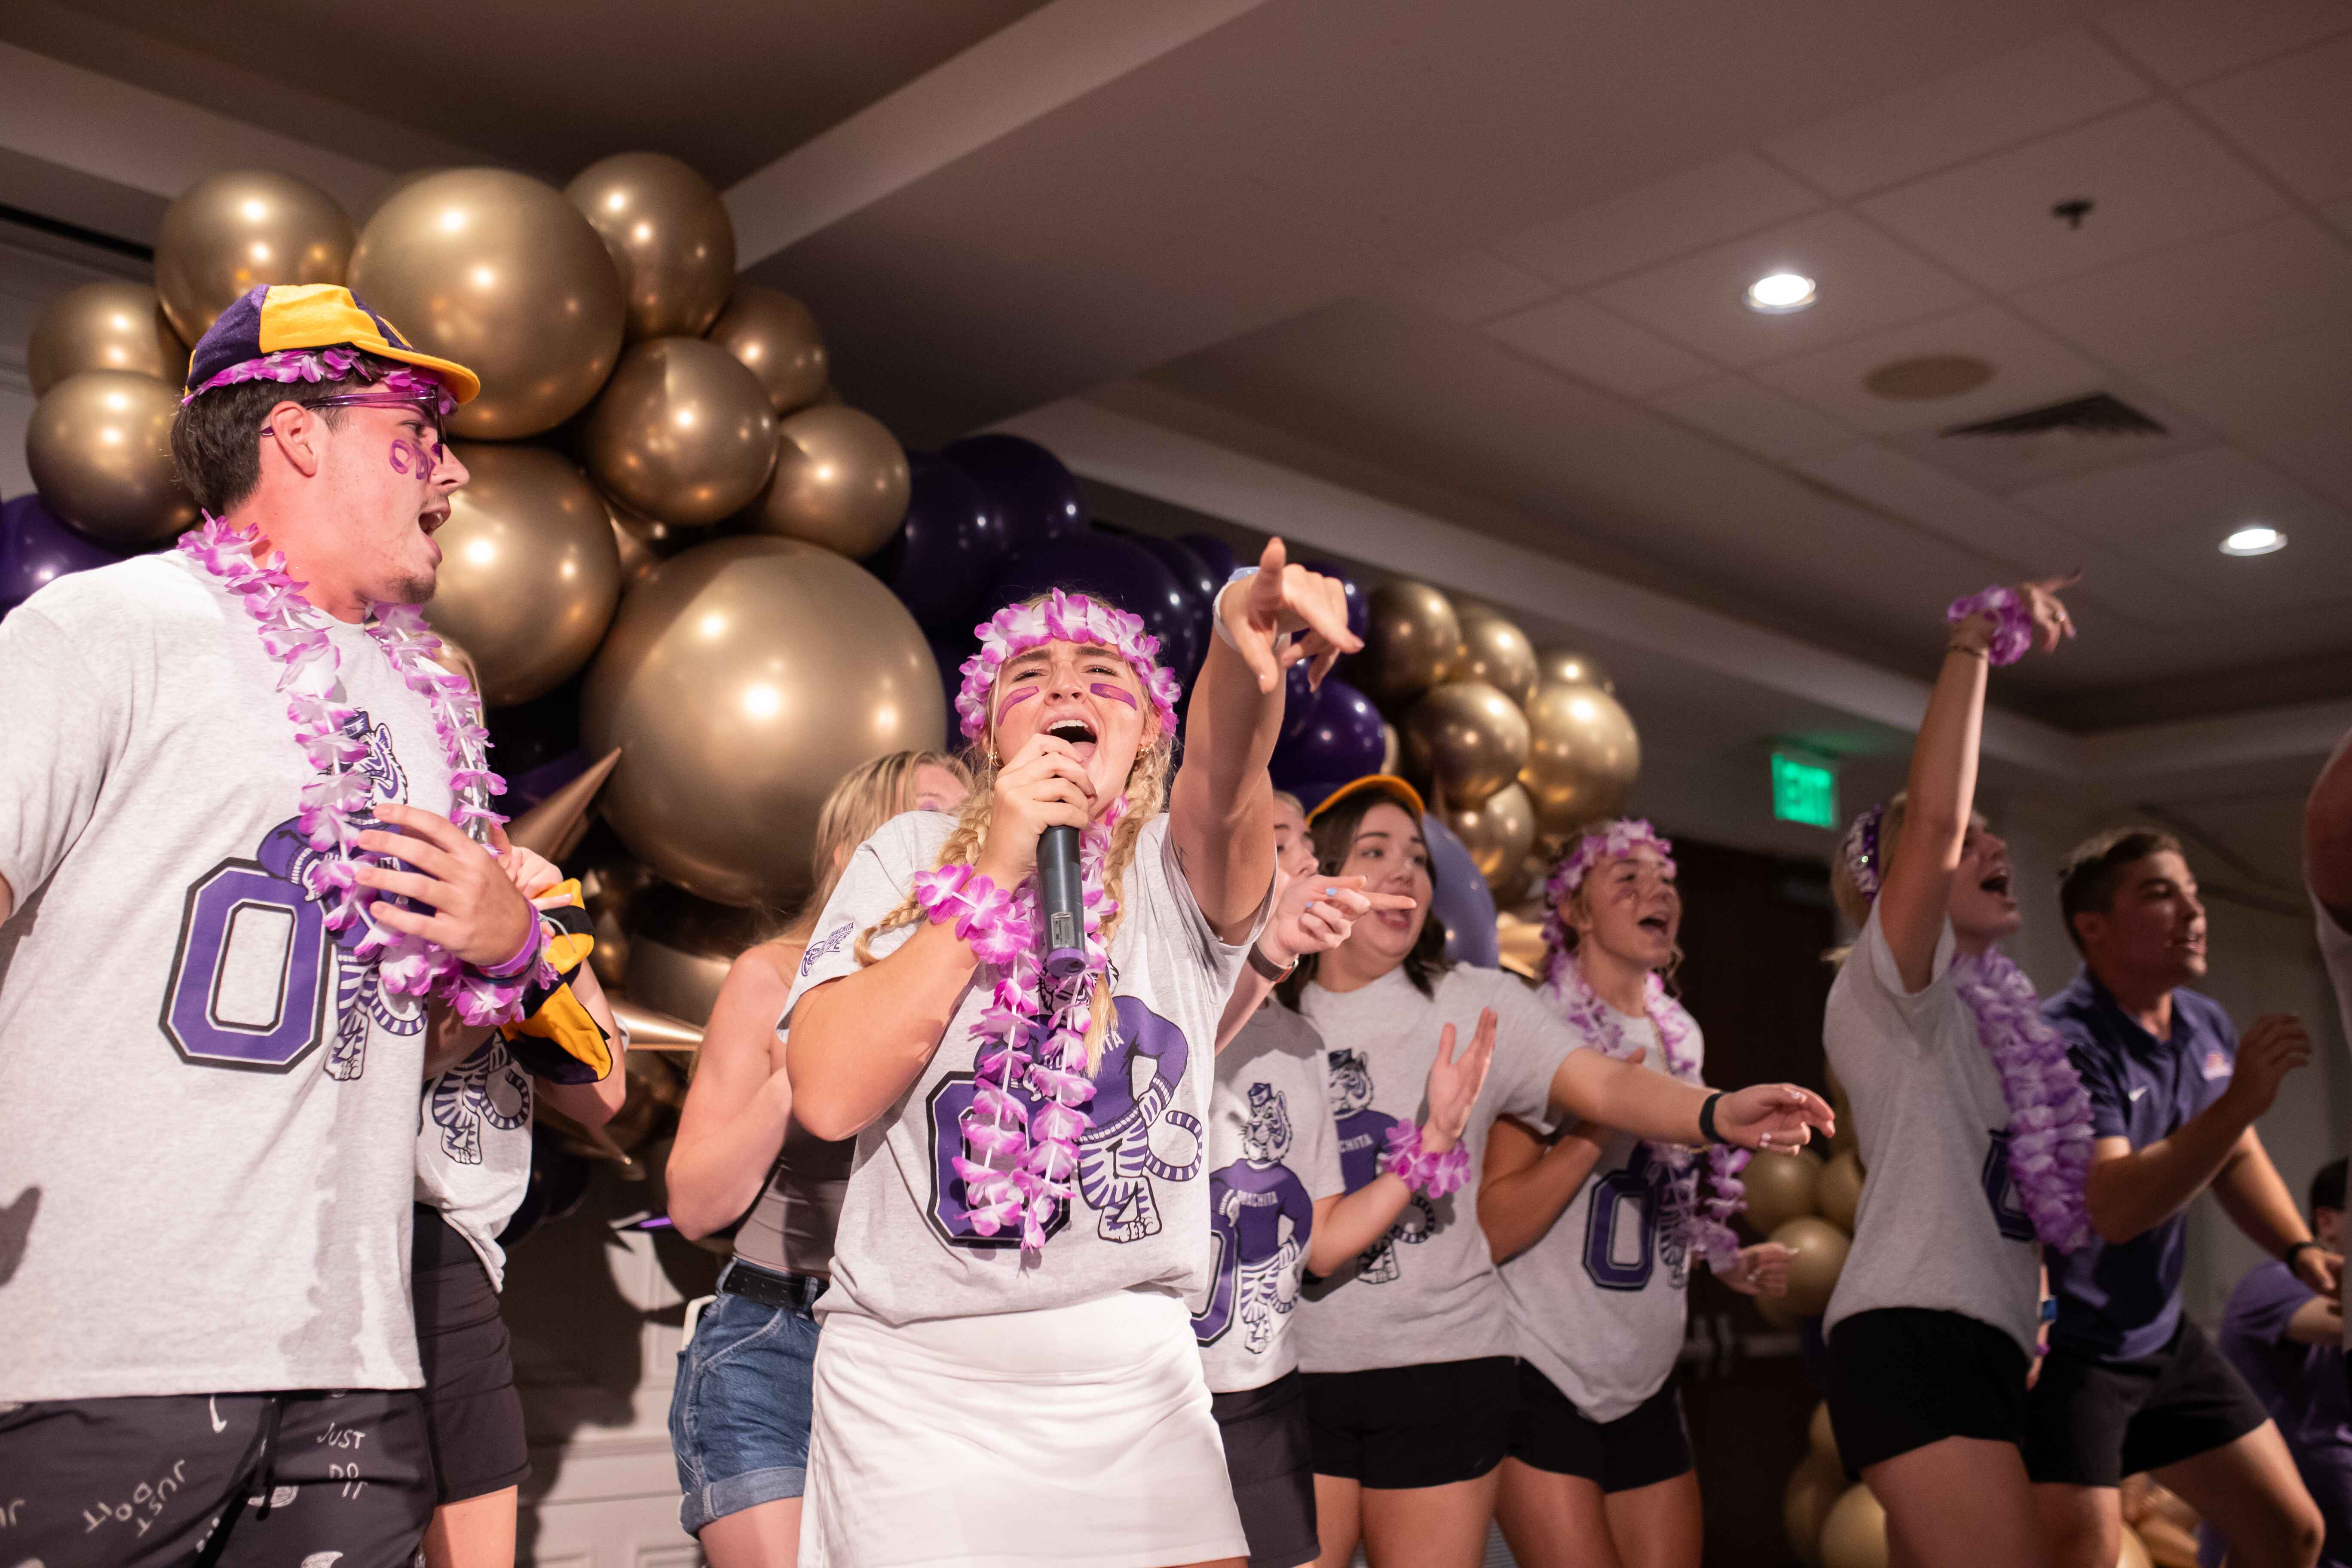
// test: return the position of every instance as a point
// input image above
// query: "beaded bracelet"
(1436, 1174)
(983, 914)
(2012, 623)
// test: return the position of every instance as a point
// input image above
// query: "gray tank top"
(791, 1229)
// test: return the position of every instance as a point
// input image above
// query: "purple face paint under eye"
(1117, 694)
(1019, 696)
(407, 457)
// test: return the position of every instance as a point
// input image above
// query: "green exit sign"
(1805, 791)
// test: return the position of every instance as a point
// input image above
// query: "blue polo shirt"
(2121, 1300)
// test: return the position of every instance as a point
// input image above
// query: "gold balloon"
(1854, 1535)
(669, 233)
(499, 272)
(841, 482)
(1820, 1248)
(1840, 1192)
(1468, 737)
(681, 948)
(99, 447)
(1783, 1186)
(1412, 639)
(1821, 1432)
(529, 571)
(1568, 666)
(1498, 832)
(682, 432)
(1496, 651)
(774, 334)
(1582, 756)
(1391, 747)
(105, 326)
(740, 682)
(1814, 1487)
(230, 232)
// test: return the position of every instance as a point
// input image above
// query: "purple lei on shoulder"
(2048, 1111)
(1706, 1228)
(1019, 1159)
(294, 634)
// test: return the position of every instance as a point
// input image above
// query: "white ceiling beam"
(1058, 53)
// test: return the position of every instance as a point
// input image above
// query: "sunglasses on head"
(426, 404)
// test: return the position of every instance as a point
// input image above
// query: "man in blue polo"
(2130, 1384)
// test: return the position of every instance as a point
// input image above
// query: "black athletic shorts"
(2090, 1423)
(1904, 1377)
(1271, 1461)
(245, 1481)
(473, 1415)
(1647, 1445)
(1397, 1427)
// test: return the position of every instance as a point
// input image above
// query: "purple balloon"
(1463, 899)
(1298, 701)
(1359, 604)
(946, 551)
(37, 549)
(949, 653)
(1341, 740)
(1200, 592)
(1030, 494)
(1214, 553)
(1118, 570)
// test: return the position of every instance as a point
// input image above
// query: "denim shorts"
(738, 1416)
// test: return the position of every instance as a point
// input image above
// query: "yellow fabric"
(567, 1025)
(324, 315)
(1389, 784)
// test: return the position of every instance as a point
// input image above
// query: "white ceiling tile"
(1754, 417)
(2339, 214)
(1866, 281)
(2253, 283)
(2030, 368)
(2059, 81)
(1678, 213)
(2156, 177)
(2293, 114)
(1580, 338)
(2188, 40)
(1475, 287)
(2274, 390)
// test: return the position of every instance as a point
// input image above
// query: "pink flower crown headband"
(1062, 618)
(332, 364)
(1613, 840)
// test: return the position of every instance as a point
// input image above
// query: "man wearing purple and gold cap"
(247, 900)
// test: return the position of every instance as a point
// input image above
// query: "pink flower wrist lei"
(1409, 1162)
(2012, 623)
(983, 913)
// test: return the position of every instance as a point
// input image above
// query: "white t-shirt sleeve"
(874, 883)
(1530, 1043)
(1886, 975)
(63, 728)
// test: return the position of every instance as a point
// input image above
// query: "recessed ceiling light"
(2255, 539)
(1778, 293)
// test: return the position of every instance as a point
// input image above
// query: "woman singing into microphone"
(1007, 1374)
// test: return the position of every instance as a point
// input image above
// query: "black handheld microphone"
(1061, 895)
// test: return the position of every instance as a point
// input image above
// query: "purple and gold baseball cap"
(306, 331)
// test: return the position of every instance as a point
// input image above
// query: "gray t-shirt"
(1599, 1303)
(905, 1250)
(1274, 1150)
(473, 1149)
(1940, 1226)
(195, 1078)
(1428, 1291)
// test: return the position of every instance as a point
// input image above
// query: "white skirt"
(1078, 1435)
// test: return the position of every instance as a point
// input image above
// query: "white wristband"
(1217, 606)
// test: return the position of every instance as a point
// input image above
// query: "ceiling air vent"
(2097, 414)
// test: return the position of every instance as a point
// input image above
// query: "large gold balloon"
(1410, 642)
(841, 482)
(1854, 1535)
(1840, 1192)
(774, 334)
(1813, 1490)
(229, 232)
(1496, 651)
(99, 447)
(1783, 1186)
(682, 432)
(1568, 666)
(669, 234)
(680, 949)
(105, 326)
(1821, 1432)
(1820, 1248)
(1582, 756)
(643, 542)
(499, 272)
(740, 682)
(1498, 832)
(1468, 737)
(529, 571)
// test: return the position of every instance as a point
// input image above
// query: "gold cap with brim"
(272, 317)
(1389, 784)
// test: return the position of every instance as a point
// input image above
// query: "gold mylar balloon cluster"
(1517, 746)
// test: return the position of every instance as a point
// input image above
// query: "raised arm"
(1630, 1097)
(740, 1101)
(1221, 809)
(1311, 914)
(2327, 836)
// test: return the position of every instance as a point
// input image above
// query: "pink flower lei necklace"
(1706, 1229)
(294, 632)
(2048, 1111)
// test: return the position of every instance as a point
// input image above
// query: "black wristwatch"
(1267, 968)
(2292, 1248)
(1707, 1119)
